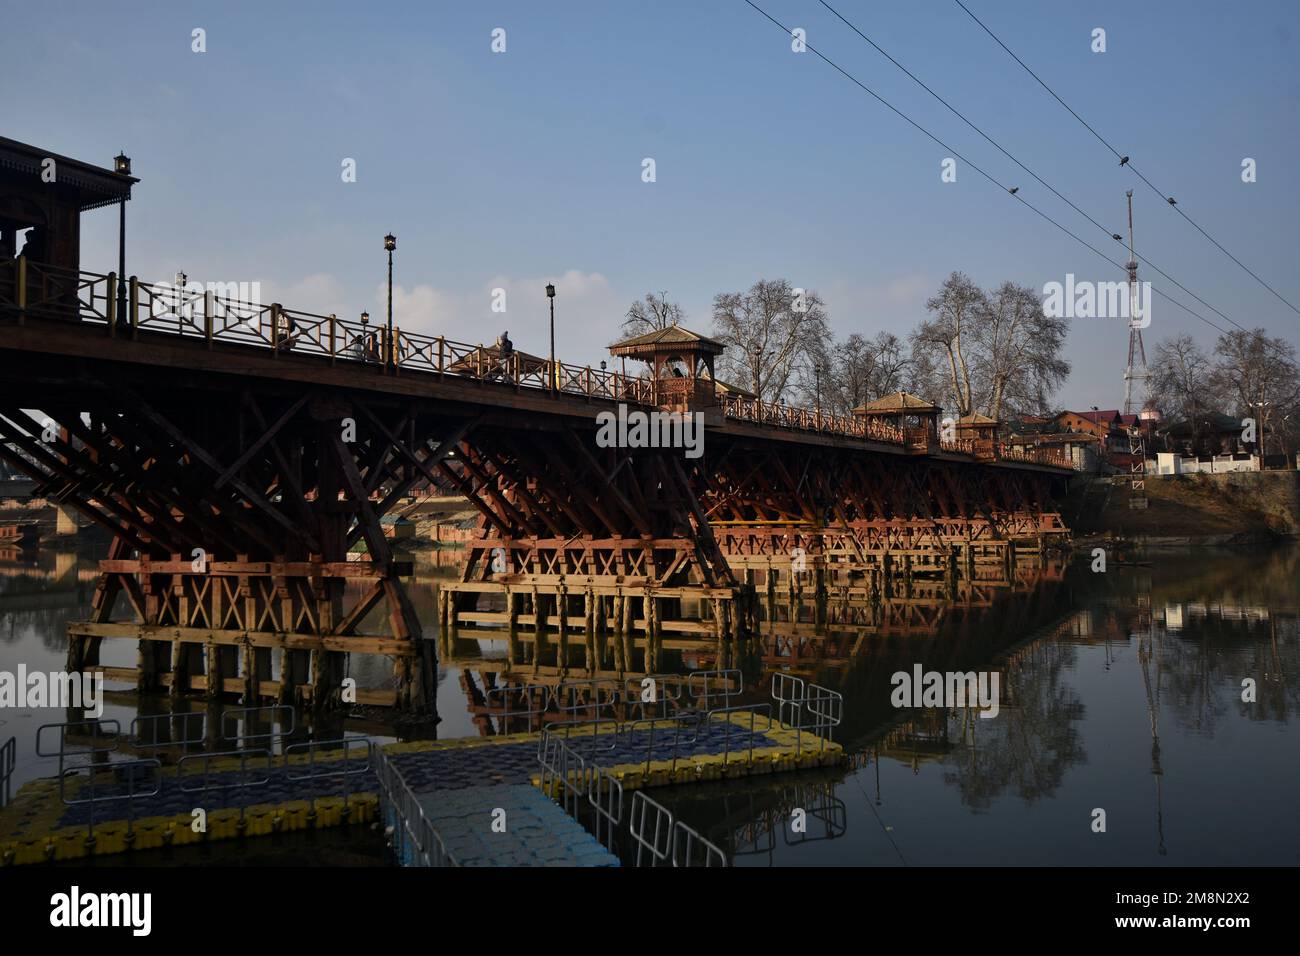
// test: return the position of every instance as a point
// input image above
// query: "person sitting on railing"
(372, 347)
(505, 349)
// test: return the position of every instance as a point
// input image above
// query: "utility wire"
(911, 122)
(1125, 161)
(1109, 233)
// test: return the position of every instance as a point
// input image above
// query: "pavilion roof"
(897, 404)
(674, 338)
(95, 185)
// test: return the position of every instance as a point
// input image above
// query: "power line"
(893, 109)
(1125, 161)
(1049, 186)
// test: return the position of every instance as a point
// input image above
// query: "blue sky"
(509, 170)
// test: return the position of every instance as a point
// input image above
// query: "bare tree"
(1256, 376)
(995, 352)
(1017, 354)
(860, 369)
(944, 338)
(652, 314)
(774, 337)
(1179, 380)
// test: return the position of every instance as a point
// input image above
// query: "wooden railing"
(34, 289)
(1036, 456)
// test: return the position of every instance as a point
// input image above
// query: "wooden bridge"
(240, 454)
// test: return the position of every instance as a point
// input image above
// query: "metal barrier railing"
(594, 698)
(343, 768)
(807, 707)
(711, 687)
(583, 700)
(659, 698)
(690, 848)
(414, 840)
(109, 782)
(281, 714)
(662, 840)
(241, 784)
(651, 829)
(754, 831)
(528, 702)
(195, 729)
(146, 731)
(122, 773)
(824, 807)
(750, 733)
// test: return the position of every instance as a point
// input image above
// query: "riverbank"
(1234, 510)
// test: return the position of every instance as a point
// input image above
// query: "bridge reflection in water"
(1178, 641)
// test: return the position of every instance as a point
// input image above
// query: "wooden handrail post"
(22, 289)
(333, 348)
(111, 310)
(207, 316)
(275, 329)
(134, 306)
(397, 351)
(442, 363)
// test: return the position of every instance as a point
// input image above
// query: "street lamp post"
(1263, 450)
(390, 243)
(550, 294)
(122, 165)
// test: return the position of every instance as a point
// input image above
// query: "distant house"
(1211, 432)
(1081, 450)
(1096, 423)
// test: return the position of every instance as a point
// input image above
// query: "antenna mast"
(1136, 370)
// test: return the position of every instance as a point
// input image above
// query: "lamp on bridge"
(122, 165)
(550, 294)
(390, 243)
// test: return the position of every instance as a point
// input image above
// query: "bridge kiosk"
(42, 197)
(681, 367)
(918, 418)
(981, 431)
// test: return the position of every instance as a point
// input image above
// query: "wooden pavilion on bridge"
(681, 366)
(981, 431)
(918, 418)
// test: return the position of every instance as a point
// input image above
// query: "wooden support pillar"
(180, 669)
(539, 630)
(512, 627)
(589, 622)
(562, 613)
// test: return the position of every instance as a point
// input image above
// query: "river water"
(1121, 699)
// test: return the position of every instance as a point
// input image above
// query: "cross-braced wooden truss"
(232, 519)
